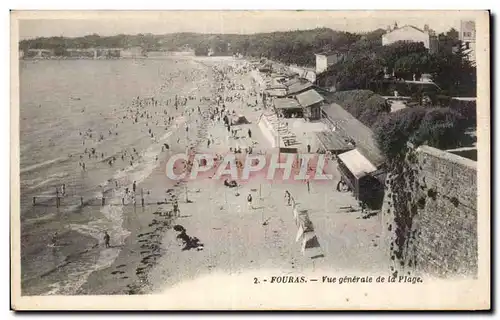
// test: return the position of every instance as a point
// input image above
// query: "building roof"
(409, 25)
(286, 103)
(309, 98)
(332, 141)
(357, 164)
(276, 86)
(276, 92)
(291, 81)
(299, 86)
(405, 26)
(352, 128)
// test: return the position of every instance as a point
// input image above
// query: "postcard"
(250, 160)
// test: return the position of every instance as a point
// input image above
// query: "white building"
(410, 34)
(324, 60)
(468, 37)
(134, 52)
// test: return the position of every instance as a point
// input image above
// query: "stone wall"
(430, 213)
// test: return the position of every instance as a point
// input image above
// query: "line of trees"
(291, 47)
(148, 41)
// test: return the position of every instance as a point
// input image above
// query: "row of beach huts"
(297, 112)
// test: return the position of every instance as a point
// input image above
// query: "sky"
(73, 24)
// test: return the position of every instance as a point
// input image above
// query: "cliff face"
(430, 213)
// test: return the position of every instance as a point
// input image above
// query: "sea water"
(59, 101)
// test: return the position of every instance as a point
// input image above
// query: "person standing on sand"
(176, 208)
(287, 197)
(54, 239)
(133, 187)
(363, 206)
(249, 200)
(106, 239)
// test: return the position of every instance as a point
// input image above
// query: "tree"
(201, 49)
(390, 54)
(440, 128)
(374, 108)
(452, 34)
(393, 131)
(60, 51)
(364, 105)
(412, 64)
(357, 72)
(454, 73)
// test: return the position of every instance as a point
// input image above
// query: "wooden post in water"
(81, 201)
(142, 197)
(57, 198)
(103, 201)
(34, 200)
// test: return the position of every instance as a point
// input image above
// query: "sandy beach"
(234, 236)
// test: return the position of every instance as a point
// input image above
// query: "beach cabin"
(361, 177)
(352, 130)
(288, 108)
(275, 92)
(298, 86)
(363, 163)
(332, 142)
(311, 102)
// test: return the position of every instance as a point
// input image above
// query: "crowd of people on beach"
(158, 114)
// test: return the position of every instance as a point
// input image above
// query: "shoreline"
(128, 273)
(235, 237)
(66, 267)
